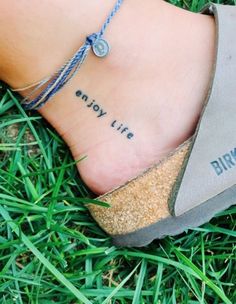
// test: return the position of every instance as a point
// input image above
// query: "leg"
(153, 82)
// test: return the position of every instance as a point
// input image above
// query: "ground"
(52, 251)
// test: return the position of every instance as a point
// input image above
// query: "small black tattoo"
(122, 129)
(97, 108)
(92, 104)
(85, 97)
(78, 93)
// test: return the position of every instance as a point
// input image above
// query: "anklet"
(54, 83)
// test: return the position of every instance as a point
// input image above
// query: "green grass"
(52, 251)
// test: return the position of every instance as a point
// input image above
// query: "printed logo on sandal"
(225, 162)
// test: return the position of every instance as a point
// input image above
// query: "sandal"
(197, 180)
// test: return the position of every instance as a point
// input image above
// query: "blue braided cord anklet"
(58, 80)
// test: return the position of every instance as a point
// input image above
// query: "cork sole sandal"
(197, 180)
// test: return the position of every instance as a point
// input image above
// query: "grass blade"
(59, 276)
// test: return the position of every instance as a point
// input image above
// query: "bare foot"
(127, 111)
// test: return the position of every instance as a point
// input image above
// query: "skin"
(154, 81)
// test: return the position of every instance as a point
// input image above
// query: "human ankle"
(154, 81)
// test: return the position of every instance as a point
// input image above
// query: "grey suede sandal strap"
(210, 168)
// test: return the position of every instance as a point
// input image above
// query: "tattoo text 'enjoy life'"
(100, 113)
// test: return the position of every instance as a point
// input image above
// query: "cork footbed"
(142, 201)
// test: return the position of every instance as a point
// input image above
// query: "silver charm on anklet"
(101, 48)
